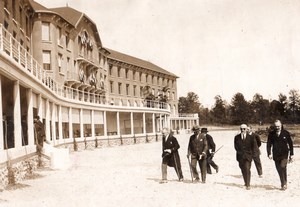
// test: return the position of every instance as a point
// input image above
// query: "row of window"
(138, 76)
(18, 15)
(127, 90)
(47, 61)
(62, 40)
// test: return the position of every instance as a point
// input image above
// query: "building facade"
(53, 65)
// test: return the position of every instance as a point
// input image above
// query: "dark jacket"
(171, 159)
(210, 144)
(258, 142)
(282, 145)
(244, 148)
(197, 145)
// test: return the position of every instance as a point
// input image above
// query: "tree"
(219, 110)
(294, 103)
(260, 108)
(240, 109)
(189, 104)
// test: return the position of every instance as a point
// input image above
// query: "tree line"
(256, 111)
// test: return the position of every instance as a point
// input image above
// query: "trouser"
(202, 165)
(282, 171)
(245, 167)
(257, 163)
(210, 162)
(164, 171)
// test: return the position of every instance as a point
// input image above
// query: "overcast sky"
(216, 47)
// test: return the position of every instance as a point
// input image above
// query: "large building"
(54, 65)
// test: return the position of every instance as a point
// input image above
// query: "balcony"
(84, 92)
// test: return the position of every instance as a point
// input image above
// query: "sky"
(216, 47)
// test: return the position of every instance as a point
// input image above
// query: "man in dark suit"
(245, 145)
(170, 155)
(256, 155)
(197, 149)
(282, 147)
(211, 148)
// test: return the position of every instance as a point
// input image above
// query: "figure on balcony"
(81, 75)
(93, 80)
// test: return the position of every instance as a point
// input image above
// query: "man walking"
(256, 155)
(282, 147)
(170, 155)
(197, 149)
(211, 148)
(245, 145)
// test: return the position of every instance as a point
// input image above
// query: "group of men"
(279, 148)
(201, 149)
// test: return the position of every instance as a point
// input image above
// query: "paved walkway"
(129, 176)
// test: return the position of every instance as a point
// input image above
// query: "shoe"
(163, 181)
(209, 173)
(181, 179)
(260, 176)
(197, 180)
(284, 187)
(217, 169)
(248, 188)
(203, 182)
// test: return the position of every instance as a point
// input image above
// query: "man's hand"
(270, 157)
(291, 159)
(168, 150)
(188, 156)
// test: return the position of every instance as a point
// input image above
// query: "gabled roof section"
(37, 7)
(71, 15)
(137, 62)
(74, 17)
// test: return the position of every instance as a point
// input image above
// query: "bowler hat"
(204, 130)
(196, 128)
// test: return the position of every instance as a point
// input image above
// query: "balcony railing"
(18, 54)
(183, 115)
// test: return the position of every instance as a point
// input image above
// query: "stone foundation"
(17, 170)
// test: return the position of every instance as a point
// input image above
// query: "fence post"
(147, 140)
(156, 137)
(121, 139)
(134, 138)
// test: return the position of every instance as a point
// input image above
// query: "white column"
(160, 123)
(30, 125)
(131, 123)
(165, 120)
(53, 118)
(1, 48)
(17, 115)
(1, 109)
(118, 123)
(144, 123)
(40, 107)
(70, 123)
(153, 123)
(104, 123)
(171, 124)
(60, 129)
(47, 118)
(197, 121)
(81, 123)
(93, 123)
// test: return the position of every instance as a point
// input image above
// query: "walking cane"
(176, 167)
(190, 169)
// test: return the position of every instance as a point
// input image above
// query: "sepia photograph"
(149, 103)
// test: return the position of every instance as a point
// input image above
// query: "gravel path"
(129, 176)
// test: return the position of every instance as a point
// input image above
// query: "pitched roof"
(115, 55)
(36, 6)
(69, 14)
